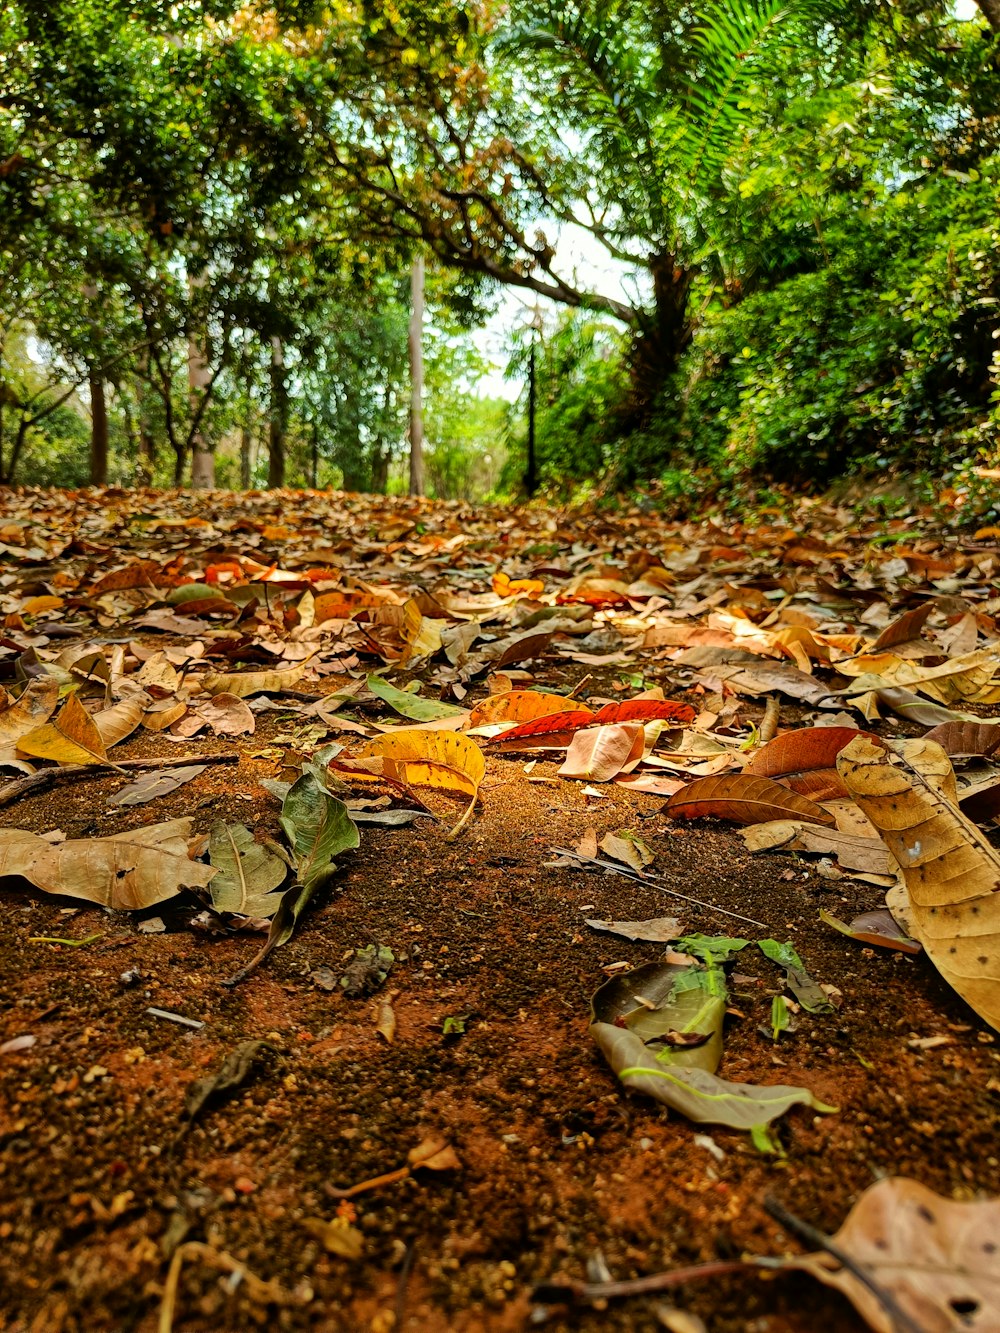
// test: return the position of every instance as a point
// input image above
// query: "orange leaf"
(800, 751)
(523, 706)
(504, 586)
(73, 738)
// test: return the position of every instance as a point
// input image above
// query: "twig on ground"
(48, 777)
(654, 883)
(575, 1293)
(266, 1293)
(821, 1241)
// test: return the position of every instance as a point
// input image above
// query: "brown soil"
(97, 1184)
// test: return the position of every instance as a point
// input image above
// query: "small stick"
(48, 777)
(579, 685)
(769, 725)
(376, 1182)
(570, 1292)
(654, 883)
(813, 1236)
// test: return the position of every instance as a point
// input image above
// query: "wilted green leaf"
(800, 983)
(248, 872)
(410, 705)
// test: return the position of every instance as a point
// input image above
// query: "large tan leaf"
(744, 800)
(951, 872)
(424, 758)
(935, 1257)
(601, 753)
(35, 706)
(114, 724)
(127, 871)
(71, 738)
(960, 678)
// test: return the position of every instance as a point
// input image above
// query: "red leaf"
(567, 722)
(645, 710)
(802, 750)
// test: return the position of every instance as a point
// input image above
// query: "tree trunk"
(147, 445)
(663, 338)
(98, 430)
(991, 12)
(199, 380)
(417, 376)
(278, 417)
(245, 468)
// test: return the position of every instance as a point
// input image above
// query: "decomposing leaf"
(744, 800)
(367, 970)
(951, 872)
(601, 753)
(628, 847)
(152, 785)
(936, 1257)
(223, 714)
(248, 872)
(232, 1073)
(430, 759)
(114, 724)
(71, 737)
(127, 871)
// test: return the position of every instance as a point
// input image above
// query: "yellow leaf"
(951, 872)
(423, 758)
(73, 738)
(245, 683)
(421, 635)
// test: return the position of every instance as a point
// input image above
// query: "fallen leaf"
(744, 800)
(223, 714)
(645, 710)
(243, 684)
(601, 753)
(879, 927)
(248, 872)
(524, 706)
(800, 751)
(410, 705)
(951, 872)
(658, 930)
(935, 1256)
(232, 1073)
(127, 871)
(627, 847)
(152, 785)
(431, 759)
(966, 739)
(114, 724)
(71, 737)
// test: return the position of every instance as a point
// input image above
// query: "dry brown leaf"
(800, 751)
(599, 754)
(245, 683)
(965, 739)
(114, 724)
(951, 872)
(224, 714)
(935, 1256)
(71, 738)
(904, 627)
(35, 706)
(127, 871)
(744, 800)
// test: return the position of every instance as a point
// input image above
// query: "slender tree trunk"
(147, 445)
(199, 379)
(663, 338)
(531, 472)
(314, 461)
(278, 416)
(417, 376)
(98, 430)
(245, 469)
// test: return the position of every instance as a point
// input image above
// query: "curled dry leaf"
(935, 1256)
(115, 723)
(35, 706)
(744, 800)
(951, 872)
(963, 740)
(904, 628)
(128, 871)
(245, 683)
(430, 759)
(601, 753)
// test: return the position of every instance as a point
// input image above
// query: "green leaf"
(409, 705)
(800, 983)
(701, 1096)
(247, 872)
(662, 998)
(781, 1019)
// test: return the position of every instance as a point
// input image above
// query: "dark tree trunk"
(245, 456)
(278, 417)
(664, 335)
(98, 431)
(416, 336)
(991, 12)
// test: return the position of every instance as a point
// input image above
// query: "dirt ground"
(100, 1180)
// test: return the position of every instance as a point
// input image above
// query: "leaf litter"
(328, 632)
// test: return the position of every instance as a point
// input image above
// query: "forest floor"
(121, 1211)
